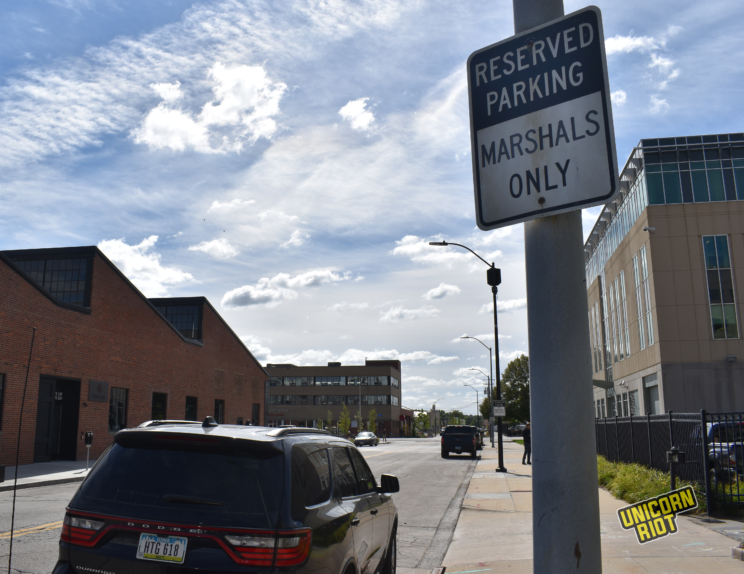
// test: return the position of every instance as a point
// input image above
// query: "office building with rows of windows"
(105, 357)
(664, 274)
(304, 396)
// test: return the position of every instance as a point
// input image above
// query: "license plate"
(162, 548)
(458, 448)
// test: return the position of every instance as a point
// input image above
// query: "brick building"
(105, 357)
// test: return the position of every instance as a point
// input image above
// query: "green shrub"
(634, 482)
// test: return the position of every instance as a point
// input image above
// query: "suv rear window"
(311, 478)
(459, 430)
(187, 482)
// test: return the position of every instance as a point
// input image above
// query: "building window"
(185, 318)
(2, 395)
(633, 402)
(394, 400)
(275, 381)
(352, 399)
(321, 399)
(117, 409)
(602, 407)
(720, 287)
(298, 381)
(191, 403)
(65, 279)
(651, 390)
(356, 380)
(159, 406)
(639, 302)
(396, 383)
(647, 297)
(624, 305)
(219, 411)
(611, 407)
(605, 328)
(613, 322)
(598, 335)
(592, 338)
(379, 381)
(335, 381)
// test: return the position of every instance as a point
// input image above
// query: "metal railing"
(646, 440)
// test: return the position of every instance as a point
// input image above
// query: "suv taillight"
(473, 440)
(442, 439)
(287, 548)
(80, 531)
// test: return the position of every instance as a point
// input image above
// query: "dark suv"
(215, 498)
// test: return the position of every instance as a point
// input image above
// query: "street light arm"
(475, 339)
(445, 244)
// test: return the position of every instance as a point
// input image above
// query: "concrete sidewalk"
(45, 474)
(494, 531)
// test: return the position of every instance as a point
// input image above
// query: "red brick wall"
(125, 343)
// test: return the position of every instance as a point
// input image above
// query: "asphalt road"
(428, 507)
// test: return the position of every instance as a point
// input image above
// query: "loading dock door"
(57, 420)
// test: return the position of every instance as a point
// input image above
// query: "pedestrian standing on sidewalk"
(384, 435)
(527, 436)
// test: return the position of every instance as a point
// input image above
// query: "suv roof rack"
(157, 423)
(295, 430)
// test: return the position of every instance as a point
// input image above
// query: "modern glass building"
(663, 275)
(309, 396)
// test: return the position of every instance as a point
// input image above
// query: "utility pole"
(565, 499)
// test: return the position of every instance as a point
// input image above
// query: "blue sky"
(290, 160)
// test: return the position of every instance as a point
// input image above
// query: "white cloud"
(658, 105)
(168, 92)
(341, 307)
(282, 287)
(242, 111)
(296, 239)
(276, 216)
(660, 62)
(429, 357)
(419, 250)
(219, 248)
(255, 345)
(504, 306)
(440, 292)
(142, 266)
(510, 356)
(620, 44)
(399, 313)
(355, 112)
(618, 97)
(484, 337)
(230, 205)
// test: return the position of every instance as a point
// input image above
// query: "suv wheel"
(391, 560)
(445, 454)
(474, 454)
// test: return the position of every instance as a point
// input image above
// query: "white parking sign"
(541, 122)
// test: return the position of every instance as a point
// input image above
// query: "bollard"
(88, 436)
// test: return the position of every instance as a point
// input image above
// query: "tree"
(516, 390)
(485, 408)
(372, 421)
(344, 422)
(329, 420)
(422, 421)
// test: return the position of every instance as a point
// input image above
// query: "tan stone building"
(304, 395)
(665, 275)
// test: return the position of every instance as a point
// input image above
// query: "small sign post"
(541, 122)
(499, 408)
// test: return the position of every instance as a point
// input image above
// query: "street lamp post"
(490, 381)
(434, 422)
(493, 278)
(486, 390)
(477, 405)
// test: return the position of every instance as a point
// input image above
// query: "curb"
(737, 553)
(25, 485)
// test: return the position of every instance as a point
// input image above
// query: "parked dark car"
(226, 498)
(459, 439)
(366, 438)
(725, 452)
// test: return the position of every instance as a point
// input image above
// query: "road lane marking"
(389, 451)
(31, 530)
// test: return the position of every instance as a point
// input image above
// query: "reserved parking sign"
(541, 122)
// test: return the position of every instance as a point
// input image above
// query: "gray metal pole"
(565, 496)
(490, 392)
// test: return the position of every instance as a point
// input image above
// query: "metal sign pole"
(565, 497)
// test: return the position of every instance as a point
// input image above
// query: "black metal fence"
(719, 437)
